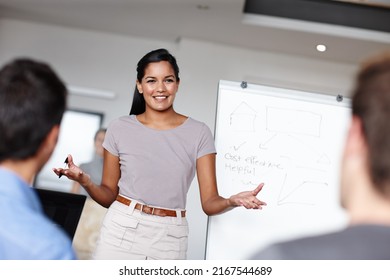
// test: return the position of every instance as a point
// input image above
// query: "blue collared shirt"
(25, 232)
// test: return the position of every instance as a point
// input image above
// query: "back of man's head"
(32, 101)
(371, 103)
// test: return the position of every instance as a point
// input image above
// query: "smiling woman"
(156, 63)
(158, 86)
(150, 160)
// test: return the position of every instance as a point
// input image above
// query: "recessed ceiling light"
(321, 48)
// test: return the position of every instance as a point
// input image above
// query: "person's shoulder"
(120, 121)
(286, 250)
(191, 122)
(270, 252)
(321, 246)
(58, 243)
(194, 121)
(50, 241)
(49, 249)
(62, 247)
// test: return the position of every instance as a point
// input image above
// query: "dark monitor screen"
(63, 208)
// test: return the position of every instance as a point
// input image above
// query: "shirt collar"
(12, 186)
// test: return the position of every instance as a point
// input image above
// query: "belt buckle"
(148, 210)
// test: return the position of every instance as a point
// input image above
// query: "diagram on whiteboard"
(292, 145)
(288, 136)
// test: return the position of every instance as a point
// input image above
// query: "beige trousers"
(128, 233)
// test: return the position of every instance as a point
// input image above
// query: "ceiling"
(219, 21)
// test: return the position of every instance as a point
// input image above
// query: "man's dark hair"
(371, 103)
(32, 101)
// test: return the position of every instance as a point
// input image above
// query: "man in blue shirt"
(32, 103)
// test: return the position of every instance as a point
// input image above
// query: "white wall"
(108, 62)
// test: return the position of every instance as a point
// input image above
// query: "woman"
(150, 160)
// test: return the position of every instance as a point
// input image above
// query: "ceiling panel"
(216, 21)
(344, 13)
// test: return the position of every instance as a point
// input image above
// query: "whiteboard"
(290, 140)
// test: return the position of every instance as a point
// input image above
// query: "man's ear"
(52, 137)
(356, 141)
(50, 141)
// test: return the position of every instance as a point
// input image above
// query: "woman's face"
(158, 86)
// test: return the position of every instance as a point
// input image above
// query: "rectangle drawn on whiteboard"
(283, 120)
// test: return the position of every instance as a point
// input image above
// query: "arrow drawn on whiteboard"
(265, 143)
(294, 121)
(322, 158)
(294, 197)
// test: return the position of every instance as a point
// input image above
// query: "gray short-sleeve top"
(157, 166)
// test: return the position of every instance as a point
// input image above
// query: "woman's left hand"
(248, 199)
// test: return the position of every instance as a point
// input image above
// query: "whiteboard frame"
(282, 93)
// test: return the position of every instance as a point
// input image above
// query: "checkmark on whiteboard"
(238, 146)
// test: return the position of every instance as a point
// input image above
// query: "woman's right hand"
(73, 172)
